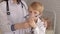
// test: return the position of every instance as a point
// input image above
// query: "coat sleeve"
(5, 24)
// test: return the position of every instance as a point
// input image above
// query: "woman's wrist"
(12, 27)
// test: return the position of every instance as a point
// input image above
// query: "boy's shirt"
(41, 27)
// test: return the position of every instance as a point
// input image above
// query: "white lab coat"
(17, 14)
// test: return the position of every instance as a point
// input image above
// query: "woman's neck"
(15, 1)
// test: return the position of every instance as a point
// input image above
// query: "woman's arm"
(21, 25)
(29, 23)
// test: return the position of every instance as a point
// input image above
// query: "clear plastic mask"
(36, 15)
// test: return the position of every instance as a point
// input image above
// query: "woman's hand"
(31, 21)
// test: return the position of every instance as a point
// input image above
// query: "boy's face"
(34, 13)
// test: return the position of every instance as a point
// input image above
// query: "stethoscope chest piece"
(8, 13)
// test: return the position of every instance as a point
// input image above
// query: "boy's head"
(36, 8)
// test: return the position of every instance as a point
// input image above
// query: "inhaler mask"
(36, 15)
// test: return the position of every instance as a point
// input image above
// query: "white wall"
(57, 10)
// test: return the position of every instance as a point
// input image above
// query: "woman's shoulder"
(2, 3)
(25, 4)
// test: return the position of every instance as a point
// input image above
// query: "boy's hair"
(36, 6)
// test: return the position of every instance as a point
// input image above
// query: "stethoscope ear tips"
(8, 13)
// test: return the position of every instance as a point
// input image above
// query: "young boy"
(33, 19)
(35, 13)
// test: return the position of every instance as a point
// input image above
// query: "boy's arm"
(45, 22)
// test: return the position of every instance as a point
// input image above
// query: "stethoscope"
(7, 7)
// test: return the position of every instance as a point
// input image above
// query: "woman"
(12, 12)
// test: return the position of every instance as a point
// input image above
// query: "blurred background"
(51, 13)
